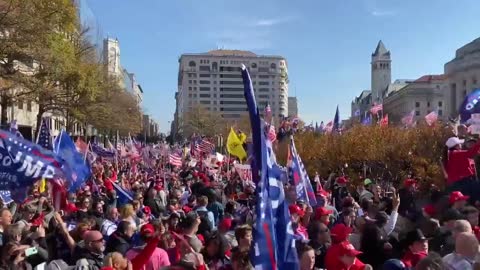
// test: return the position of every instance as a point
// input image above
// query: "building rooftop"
(430, 78)
(380, 50)
(235, 53)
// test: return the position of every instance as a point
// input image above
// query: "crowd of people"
(192, 217)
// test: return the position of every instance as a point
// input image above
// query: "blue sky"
(327, 43)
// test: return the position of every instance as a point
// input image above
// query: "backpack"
(205, 224)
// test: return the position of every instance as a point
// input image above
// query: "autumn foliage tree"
(386, 153)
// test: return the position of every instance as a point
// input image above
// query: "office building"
(292, 106)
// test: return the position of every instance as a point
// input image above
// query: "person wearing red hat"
(458, 163)
(296, 212)
(158, 259)
(343, 256)
(457, 200)
(322, 214)
(340, 233)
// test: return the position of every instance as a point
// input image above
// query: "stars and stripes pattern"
(175, 159)
(44, 139)
(407, 120)
(205, 146)
(431, 118)
(102, 152)
(376, 108)
(272, 134)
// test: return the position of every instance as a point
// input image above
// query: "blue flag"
(300, 177)
(102, 152)
(274, 243)
(356, 113)
(75, 168)
(22, 162)
(254, 122)
(123, 196)
(6, 196)
(44, 139)
(367, 120)
(336, 121)
(470, 105)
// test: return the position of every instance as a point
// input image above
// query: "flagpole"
(86, 152)
(38, 131)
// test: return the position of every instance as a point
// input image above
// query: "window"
(204, 75)
(263, 76)
(440, 112)
(417, 113)
(474, 80)
(464, 93)
(192, 64)
(440, 104)
(205, 95)
(273, 66)
(215, 66)
(190, 88)
(189, 81)
(263, 83)
(233, 102)
(254, 65)
(231, 82)
(263, 69)
(228, 89)
(233, 109)
(29, 106)
(231, 76)
(204, 68)
(263, 89)
(20, 105)
(205, 102)
(204, 82)
(204, 88)
(428, 104)
(464, 82)
(231, 96)
(417, 104)
(263, 96)
(194, 81)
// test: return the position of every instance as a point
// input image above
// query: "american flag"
(43, 138)
(175, 159)
(14, 129)
(431, 118)
(272, 134)
(407, 120)
(329, 127)
(376, 108)
(205, 146)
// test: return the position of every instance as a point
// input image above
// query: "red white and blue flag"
(175, 159)
(300, 178)
(206, 147)
(376, 108)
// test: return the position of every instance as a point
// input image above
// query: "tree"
(201, 121)
(30, 30)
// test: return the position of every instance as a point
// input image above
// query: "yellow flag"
(235, 145)
(43, 185)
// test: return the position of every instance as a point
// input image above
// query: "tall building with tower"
(381, 78)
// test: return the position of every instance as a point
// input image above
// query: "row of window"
(417, 104)
(233, 89)
(20, 105)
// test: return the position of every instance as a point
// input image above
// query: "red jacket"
(460, 164)
(411, 259)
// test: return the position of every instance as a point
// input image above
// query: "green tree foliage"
(199, 120)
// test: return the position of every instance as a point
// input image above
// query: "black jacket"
(118, 242)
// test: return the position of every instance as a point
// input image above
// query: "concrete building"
(150, 128)
(463, 74)
(381, 85)
(111, 58)
(213, 80)
(424, 95)
(292, 106)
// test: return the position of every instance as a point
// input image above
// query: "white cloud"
(273, 21)
(382, 13)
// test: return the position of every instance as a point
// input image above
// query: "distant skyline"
(328, 44)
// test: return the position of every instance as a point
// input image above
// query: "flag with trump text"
(23, 162)
(274, 243)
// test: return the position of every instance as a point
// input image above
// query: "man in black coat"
(120, 241)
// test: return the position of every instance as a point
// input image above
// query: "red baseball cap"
(226, 223)
(295, 209)
(457, 196)
(430, 209)
(409, 182)
(346, 248)
(147, 229)
(322, 211)
(340, 232)
(342, 180)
